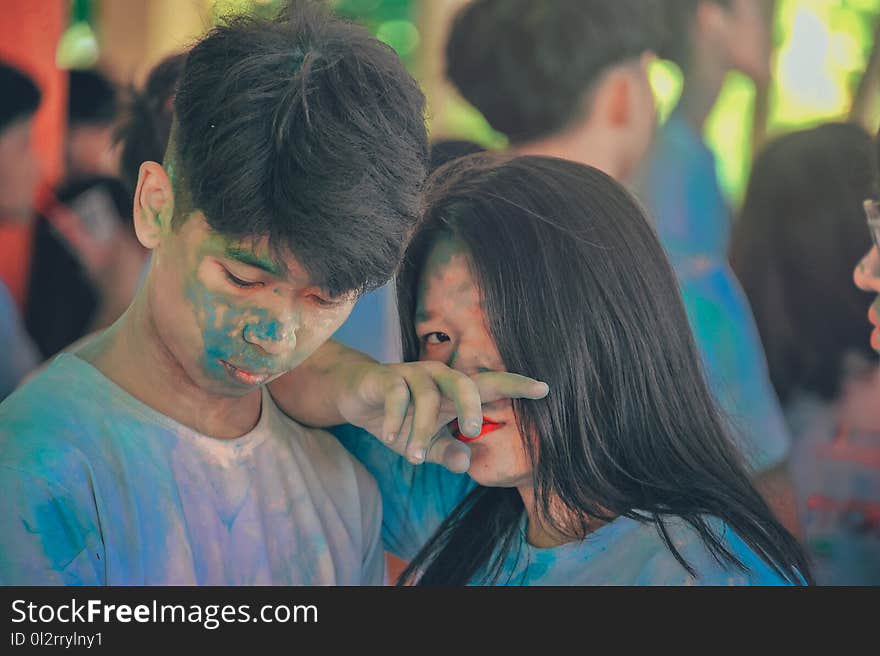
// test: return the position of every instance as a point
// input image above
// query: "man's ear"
(153, 204)
(618, 94)
(710, 18)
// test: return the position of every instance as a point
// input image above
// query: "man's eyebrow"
(249, 258)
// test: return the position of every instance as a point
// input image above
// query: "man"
(569, 79)
(707, 39)
(19, 177)
(566, 78)
(154, 454)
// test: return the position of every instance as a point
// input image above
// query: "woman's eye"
(238, 282)
(436, 338)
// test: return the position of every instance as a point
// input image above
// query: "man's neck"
(132, 355)
(581, 146)
(703, 78)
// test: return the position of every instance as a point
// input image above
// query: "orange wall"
(29, 33)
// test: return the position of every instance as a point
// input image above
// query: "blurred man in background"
(92, 112)
(19, 177)
(678, 181)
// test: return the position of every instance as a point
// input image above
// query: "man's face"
(19, 171)
(748, 38)
(231, 315)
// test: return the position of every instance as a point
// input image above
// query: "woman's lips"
(488, 427)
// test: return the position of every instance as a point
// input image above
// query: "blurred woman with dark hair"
(625, 473)
(19, 179)
(802, 226)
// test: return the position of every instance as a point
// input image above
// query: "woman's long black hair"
(801, 228)
(578, 293)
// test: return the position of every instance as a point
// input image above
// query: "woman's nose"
(469, 365)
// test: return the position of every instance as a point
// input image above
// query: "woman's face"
(867, 277)
(451, 327)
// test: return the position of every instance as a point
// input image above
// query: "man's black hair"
(527, 66)
(677, 16)
(20, 95)
(309, 131)
(91, 98)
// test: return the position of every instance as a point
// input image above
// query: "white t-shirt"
(100, 489)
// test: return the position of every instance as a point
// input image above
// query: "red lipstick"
(488, 427)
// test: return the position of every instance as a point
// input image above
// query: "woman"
(623, 474)
(802, 226)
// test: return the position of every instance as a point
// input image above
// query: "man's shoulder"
(43, 424)
(53, 396)
(323, 451)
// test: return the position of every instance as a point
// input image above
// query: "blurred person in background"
(566, 78)
(92, 112)
(580, 91)
(87, 263)
(83, 248)
(867, 271)
(679, 184)
(19, 178)
(801, 227)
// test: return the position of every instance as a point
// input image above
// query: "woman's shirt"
(416, 499)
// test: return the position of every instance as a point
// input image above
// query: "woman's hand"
(409, 405)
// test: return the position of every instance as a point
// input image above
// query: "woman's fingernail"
(389, 438)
